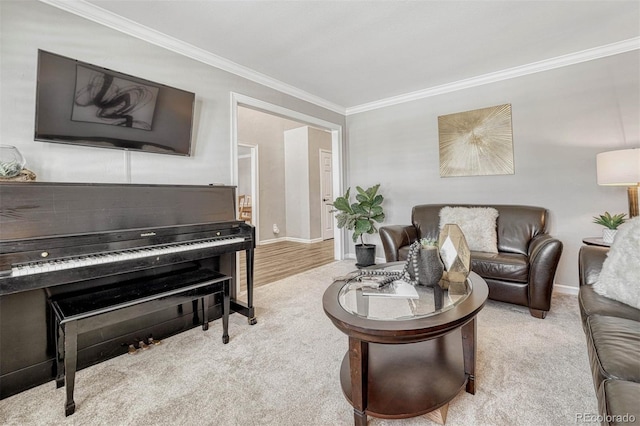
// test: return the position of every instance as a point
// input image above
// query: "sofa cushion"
(620, 275)
(517, 225)
(614, 345)
(501, 266)
(591, 303)
(478, 224)
(618, 402)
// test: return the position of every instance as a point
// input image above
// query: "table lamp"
(621, 168)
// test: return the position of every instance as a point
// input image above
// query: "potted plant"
(360, 217)
(423, 262)
(610, 224)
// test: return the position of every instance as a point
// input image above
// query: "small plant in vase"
(610, 224)
(426, 243)
(361, 217)
(423, 262)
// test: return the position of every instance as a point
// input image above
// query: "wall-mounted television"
(83, 104)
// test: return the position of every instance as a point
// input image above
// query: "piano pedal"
(152, 342)
(142, 345)
(132, 350)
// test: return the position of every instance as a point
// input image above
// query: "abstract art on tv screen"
(102, 97)
(476, 143)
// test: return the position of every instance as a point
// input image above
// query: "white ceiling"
(352, 53)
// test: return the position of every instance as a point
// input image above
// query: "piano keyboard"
(117, 256)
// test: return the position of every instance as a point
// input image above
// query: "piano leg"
(251, 318)
(59, 354)
(205, 314)
(70, 359)
(196, 318)
(242, 308)
(226, 307)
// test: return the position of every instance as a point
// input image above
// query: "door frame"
(255, 202)
(337, 148)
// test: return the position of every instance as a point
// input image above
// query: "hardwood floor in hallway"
(283, 259)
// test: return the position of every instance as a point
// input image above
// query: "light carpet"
(285, 371)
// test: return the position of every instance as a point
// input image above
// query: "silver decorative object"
(455, 254)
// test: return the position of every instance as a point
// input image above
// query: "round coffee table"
(409, 354)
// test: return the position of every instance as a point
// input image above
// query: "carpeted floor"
(284, 371)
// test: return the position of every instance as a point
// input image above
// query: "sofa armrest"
(544, 254)
(395, 236)
(590, 260)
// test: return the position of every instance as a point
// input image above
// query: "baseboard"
(291, 239)
(379, 260)
(565, 289)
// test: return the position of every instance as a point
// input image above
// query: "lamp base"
(632, 193)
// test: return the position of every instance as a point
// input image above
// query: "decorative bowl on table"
(11, 161)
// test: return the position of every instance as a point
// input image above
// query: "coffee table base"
(440, 415)
(408, 380)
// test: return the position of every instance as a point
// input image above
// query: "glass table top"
(399, 300)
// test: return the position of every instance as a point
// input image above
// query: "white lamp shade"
(619, 167)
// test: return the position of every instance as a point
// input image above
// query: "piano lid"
(42, 209)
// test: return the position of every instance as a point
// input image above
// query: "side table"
(595, 241)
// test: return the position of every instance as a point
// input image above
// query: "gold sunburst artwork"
(476, 143)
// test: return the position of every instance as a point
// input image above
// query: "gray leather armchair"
(523, 270)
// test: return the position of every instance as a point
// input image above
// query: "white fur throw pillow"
(620, 275)
(478, 224)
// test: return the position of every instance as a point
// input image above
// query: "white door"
(326, 191)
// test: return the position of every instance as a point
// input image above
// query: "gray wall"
(302, 163)
(266, 131)
(561, 120)
(28, 25)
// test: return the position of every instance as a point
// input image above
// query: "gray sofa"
(523, 270)
(612, 330)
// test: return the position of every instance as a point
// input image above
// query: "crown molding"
(509, 73)
(124, 25)
(104, 17)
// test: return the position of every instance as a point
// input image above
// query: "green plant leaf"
(379, 218)
(342, 204)
(361, 215)
(363, 225)
(608, 221)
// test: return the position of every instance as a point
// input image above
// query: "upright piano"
(59, 238)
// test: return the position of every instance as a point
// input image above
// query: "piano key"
(100, 258)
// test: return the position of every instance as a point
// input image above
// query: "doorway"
(332, 157)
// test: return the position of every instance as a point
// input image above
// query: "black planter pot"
(365, 255)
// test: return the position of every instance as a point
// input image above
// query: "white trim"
(109, 19)
(565, 289)
(291, 239)
(509, 73)
(352, 256)
(104, 17)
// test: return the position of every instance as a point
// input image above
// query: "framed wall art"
(476, 143)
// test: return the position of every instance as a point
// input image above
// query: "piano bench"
(77, 313)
